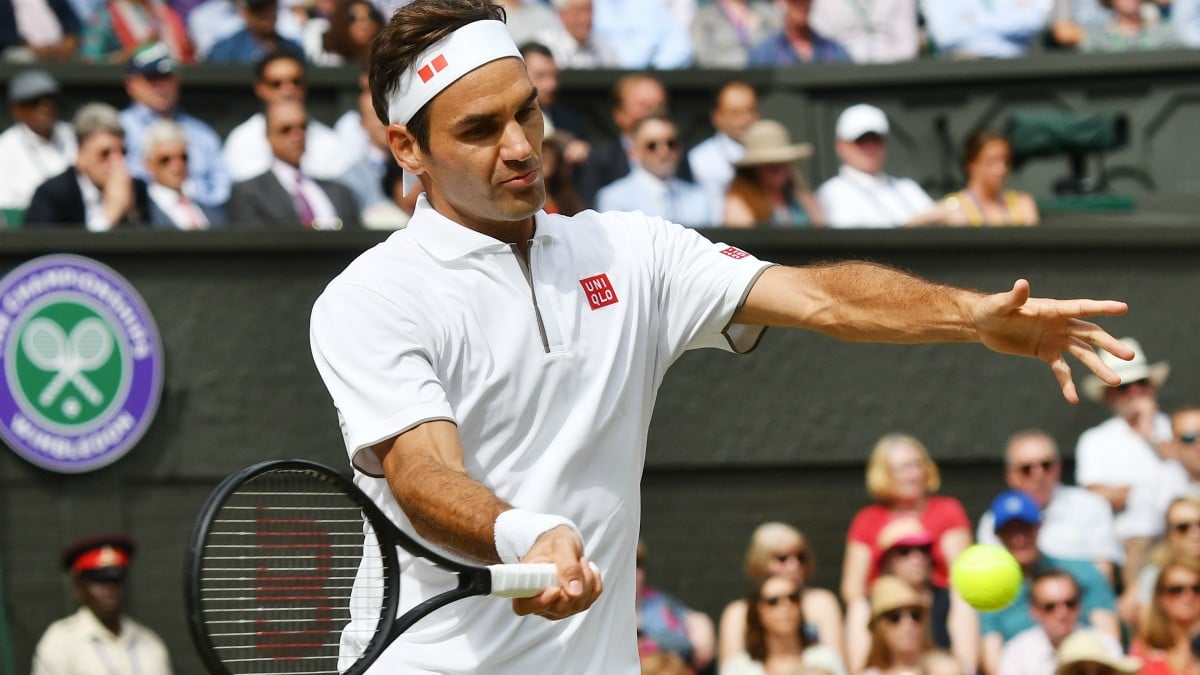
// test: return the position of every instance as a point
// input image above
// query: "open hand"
(1044, 328)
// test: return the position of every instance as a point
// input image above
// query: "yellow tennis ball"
(987, 577)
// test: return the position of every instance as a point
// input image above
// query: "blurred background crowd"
(151, 164)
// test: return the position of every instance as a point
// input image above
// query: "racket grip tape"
(522, 580)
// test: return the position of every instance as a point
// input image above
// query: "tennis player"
(494, 368)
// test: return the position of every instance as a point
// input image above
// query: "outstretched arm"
(866, 302)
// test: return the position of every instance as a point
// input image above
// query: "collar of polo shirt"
(447, 240)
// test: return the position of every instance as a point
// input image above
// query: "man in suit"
(634, 97)
(165, 146)
(283, 196)
(97, 193)
(652, 187)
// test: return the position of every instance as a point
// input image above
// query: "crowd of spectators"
(748, 174)
(902, 617)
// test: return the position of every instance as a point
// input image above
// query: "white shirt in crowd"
(1147, 503)
(94, 218)
(248, 154)
(1030, 653)
(325, 216)
(182, 211)
(855, 198)
(1076, 524)
(1113, 454)
(711, 162)
(80, 645)
(550, 372)
(27, 160)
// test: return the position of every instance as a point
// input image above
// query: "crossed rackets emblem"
(69, 357)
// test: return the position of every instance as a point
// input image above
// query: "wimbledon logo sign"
(81, 361)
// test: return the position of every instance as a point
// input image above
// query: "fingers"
(1062, 373)
(579, 582)
(1019, 294)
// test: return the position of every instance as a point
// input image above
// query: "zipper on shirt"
(516, 249)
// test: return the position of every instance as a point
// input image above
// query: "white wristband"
(517, 529)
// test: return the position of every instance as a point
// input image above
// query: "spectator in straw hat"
(1127, 450)
(99, 637)
(767, 189)
(899, 628)
(1085, 654)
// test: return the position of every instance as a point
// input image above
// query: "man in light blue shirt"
(712, 160)
(651, 186)
(998, 29)
(797, 43)
(643, 33)
(153, 84)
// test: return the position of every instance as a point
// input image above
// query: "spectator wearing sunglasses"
(1083, 653)
(97, 193)
(1164, 640)
(906, 552)
(1181, 540)
(774, 636)
(38, 145)
(780, 549)
(1148, 502)
(1017, 520)
(652, 186)
(1055, 606)
(166, 152)
(899, 628)
(1128, 451)
(1076, 523)
(667, 625)
(903, 480)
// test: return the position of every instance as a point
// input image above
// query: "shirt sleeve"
(377, 367)
(865, 526)
(947, 513)
(702, 284)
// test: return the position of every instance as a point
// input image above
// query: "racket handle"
(525, 580)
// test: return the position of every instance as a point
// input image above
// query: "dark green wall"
(780, 434)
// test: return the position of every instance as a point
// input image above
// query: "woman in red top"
(1164, 643)
(902, 479)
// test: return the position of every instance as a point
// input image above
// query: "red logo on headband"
(437, 65)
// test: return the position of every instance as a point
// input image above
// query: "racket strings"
(280, 588)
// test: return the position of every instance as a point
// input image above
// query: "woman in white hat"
(767, 189)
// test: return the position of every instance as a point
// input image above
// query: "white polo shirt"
(550, 372)
(854, 198)
(1113, 454)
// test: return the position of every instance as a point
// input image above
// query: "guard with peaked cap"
(99, 638)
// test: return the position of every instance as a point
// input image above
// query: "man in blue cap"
(99, 638)
(153, 84)
(1017, 520)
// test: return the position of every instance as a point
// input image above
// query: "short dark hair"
(535, 48)
(977, 140)
(1051, 573)
(283, 53)
(411, 30)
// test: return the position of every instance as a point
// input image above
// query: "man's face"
(865, 154)
(485, 137)
(287, 125)
(39, 114)
(99, 154)
(106, 599)
(737, 109)
(1055, 605)
(795, 13)
(640, 98)
(282, 80)
(543, 72)
(168, 164)
(160, 93)
(1183, 529)
(1020, 538)
(1033, 467)
(1128, 399)
(1186, 427)
(656, 147)
(261, 20)
(577, 19)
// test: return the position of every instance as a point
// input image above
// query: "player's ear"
(405, 149)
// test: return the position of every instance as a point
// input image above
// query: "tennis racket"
(271, 566)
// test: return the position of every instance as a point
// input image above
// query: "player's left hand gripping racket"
(272, 562)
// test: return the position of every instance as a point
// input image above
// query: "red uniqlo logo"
(599, 291)
(735, 253)
(437, 65)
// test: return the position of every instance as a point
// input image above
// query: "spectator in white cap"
(861, 194)
(38, 145)
(1128, 450)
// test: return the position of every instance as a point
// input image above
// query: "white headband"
(444, 62)
(441, 65)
